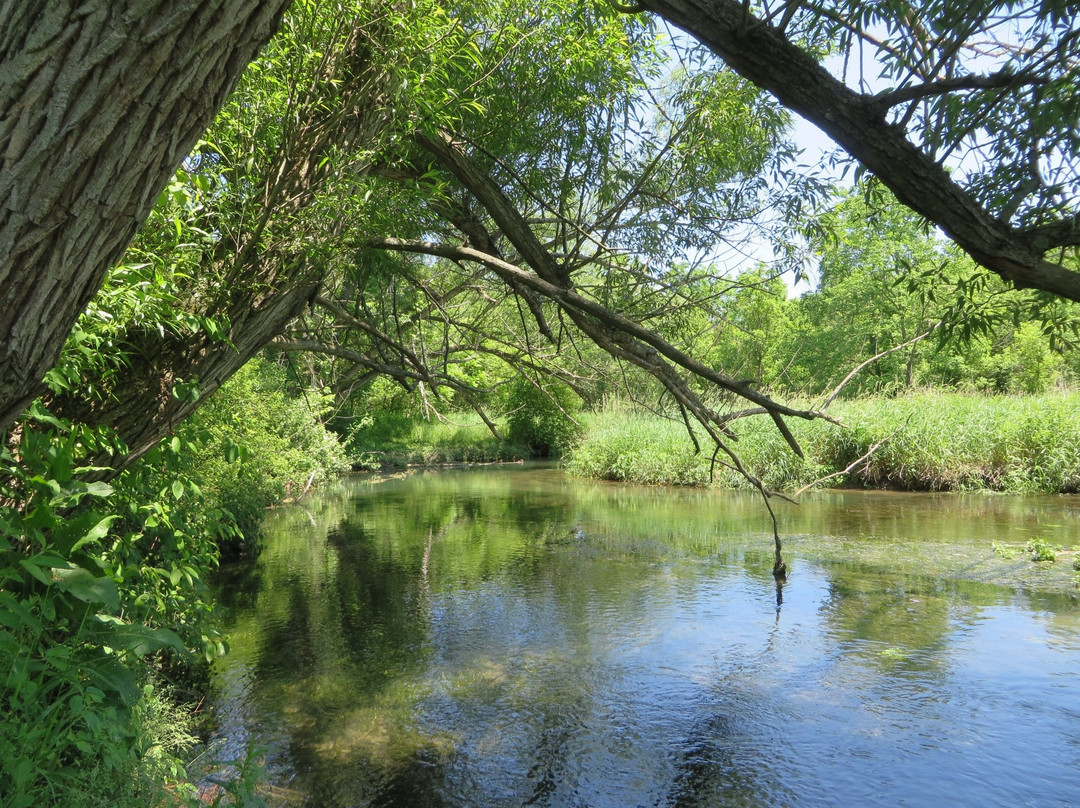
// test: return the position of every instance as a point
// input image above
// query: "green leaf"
(84, 585)
(96, 533)
(14, 613)
(177, 489)
(99, 489)
(141, 640)
(113, 676)
(37, 565)
(232, 452)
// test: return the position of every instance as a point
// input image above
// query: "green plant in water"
(895, 654)
(1041, 550)
(1005, 551)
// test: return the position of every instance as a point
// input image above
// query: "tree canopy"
(968, 113)
(971, 122)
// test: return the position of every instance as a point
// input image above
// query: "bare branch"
(836, 390)
(915, 92)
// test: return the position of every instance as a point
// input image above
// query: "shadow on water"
(512, 637)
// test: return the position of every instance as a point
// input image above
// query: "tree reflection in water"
(511, 637)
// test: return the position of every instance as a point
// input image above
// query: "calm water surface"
(513, 637)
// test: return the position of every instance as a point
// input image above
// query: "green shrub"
(541, 417)
(102, 586)
(72, 605)
(253, 445)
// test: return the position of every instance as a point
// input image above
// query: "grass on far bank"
(932, 441)
(396, 441)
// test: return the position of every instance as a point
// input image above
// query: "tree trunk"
(99, 103)
(274, 269)
(144, 408)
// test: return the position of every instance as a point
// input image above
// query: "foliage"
(940, 441)
(256, 442)
(388, 440)
(618, 444)
(81, 571)
(756, 329)
(574, 146)
(102, 585)
(1041, 550)
(541, 418)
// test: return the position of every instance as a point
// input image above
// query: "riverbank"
(393, 442)
(929, 441)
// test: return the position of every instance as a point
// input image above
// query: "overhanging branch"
(857, 122)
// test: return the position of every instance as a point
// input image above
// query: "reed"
(930, 440)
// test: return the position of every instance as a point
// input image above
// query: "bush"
(102, 586)
(541, 417)
(392, 440)
(252, 445)
(88, 598)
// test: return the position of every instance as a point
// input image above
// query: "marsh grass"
(392, 441)
(932, 441)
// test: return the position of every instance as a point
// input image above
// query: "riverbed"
(510, 636)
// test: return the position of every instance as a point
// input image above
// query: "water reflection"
(510, 637)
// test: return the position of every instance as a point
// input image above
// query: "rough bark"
(272, 269)
(99, 103)
(858, 123)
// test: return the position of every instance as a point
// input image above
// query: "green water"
(513, 637)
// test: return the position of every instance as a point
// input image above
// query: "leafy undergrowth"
(106, 624)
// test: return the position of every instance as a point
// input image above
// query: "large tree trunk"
(99, 103)
(271, 269)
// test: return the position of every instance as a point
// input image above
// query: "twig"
(836, 390)
(854, 463)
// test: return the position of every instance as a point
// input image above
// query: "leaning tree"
(968, 112)
(99, 103)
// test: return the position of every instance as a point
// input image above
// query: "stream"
(512, 636)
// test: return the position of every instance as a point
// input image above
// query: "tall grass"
(932, 441)
(396, 441)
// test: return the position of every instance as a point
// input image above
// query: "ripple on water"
(470, 641)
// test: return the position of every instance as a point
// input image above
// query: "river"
(510, 636)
